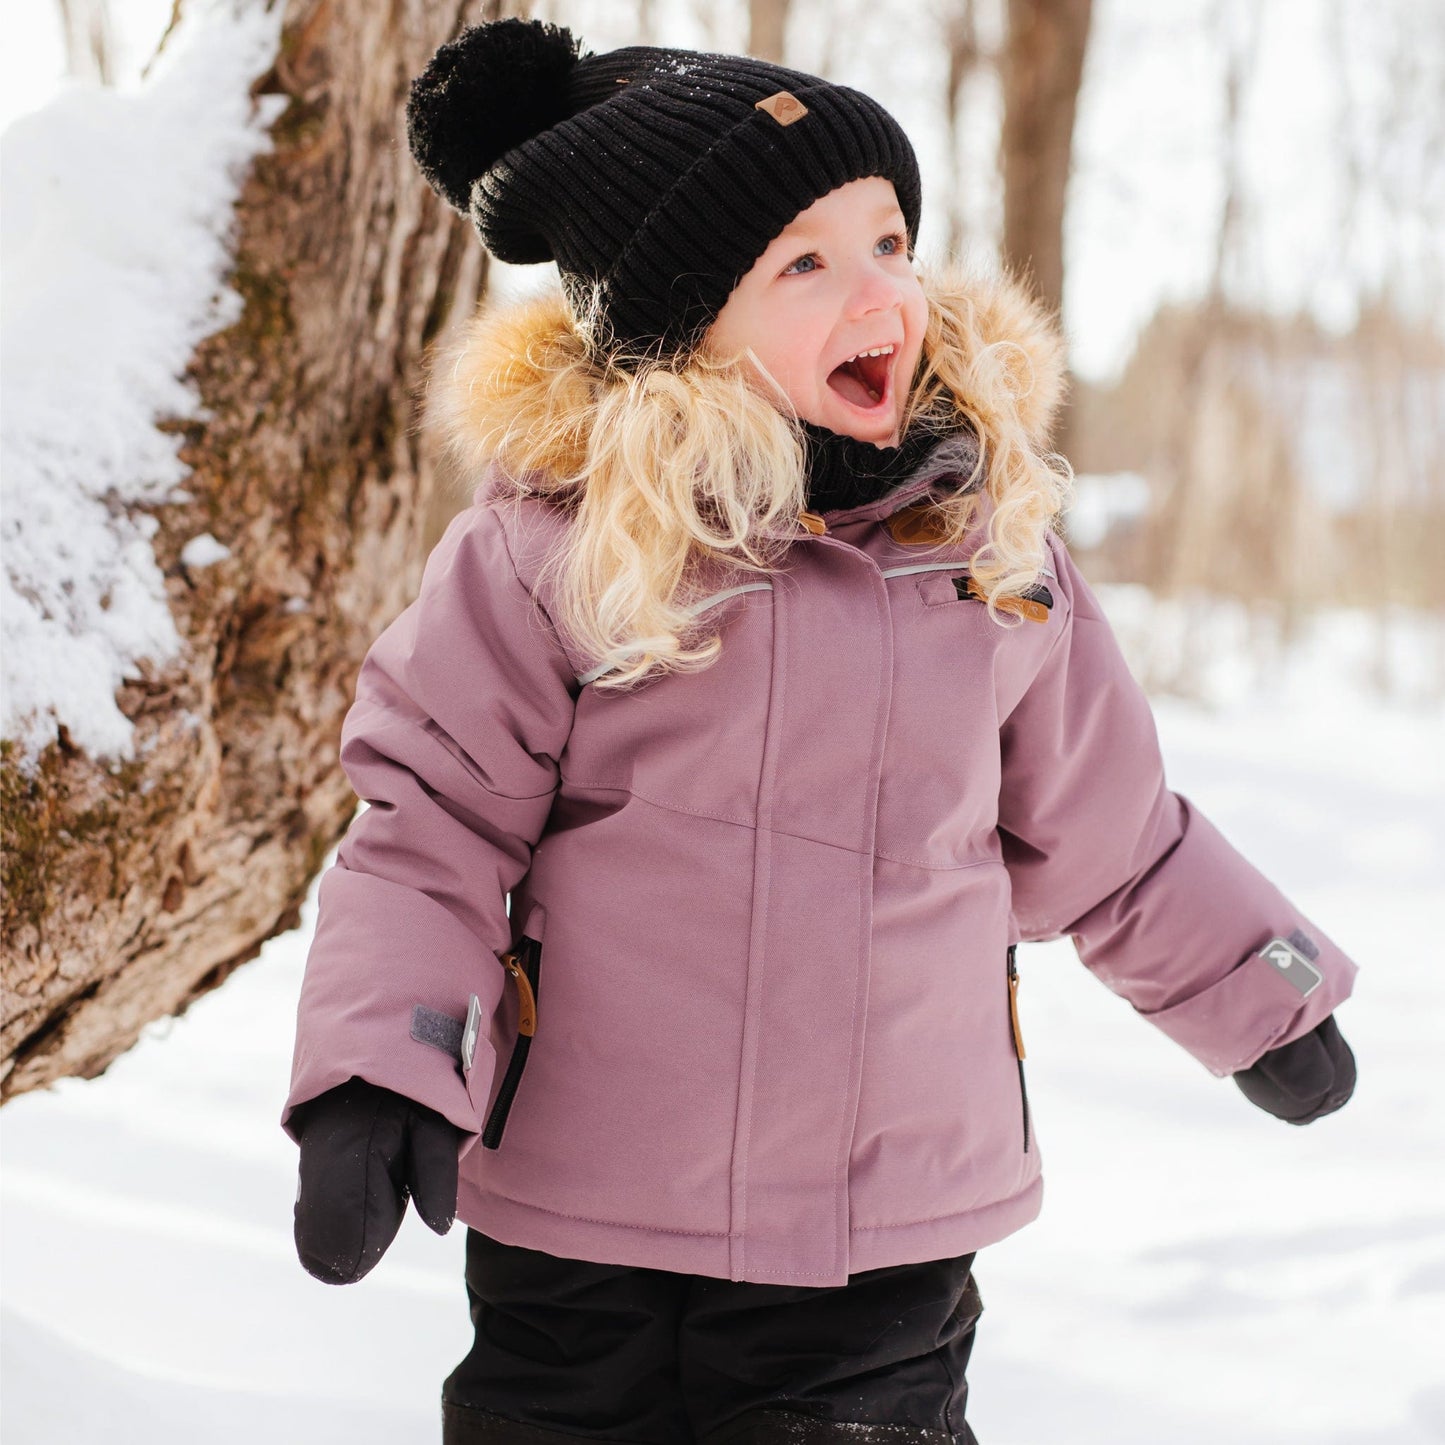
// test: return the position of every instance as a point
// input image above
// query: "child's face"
(837, 281)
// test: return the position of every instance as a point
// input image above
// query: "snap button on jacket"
(766, 910)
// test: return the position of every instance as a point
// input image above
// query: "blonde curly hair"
(678, 472)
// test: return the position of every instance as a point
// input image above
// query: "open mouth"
(866, 381)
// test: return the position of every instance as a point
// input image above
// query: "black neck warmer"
(843, 472)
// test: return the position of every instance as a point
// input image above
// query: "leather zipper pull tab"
(526, 999)
(1013, 1002)
(813, 523)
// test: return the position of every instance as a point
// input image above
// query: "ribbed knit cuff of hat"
(843, 472)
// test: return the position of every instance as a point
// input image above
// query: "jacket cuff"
(385, 997)
(1278, 993)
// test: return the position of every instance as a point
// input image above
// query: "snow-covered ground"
(1201, 1272)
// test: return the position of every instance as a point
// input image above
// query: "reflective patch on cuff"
(1290, 961)
(439, 1030)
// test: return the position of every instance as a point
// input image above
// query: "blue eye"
(897, 239)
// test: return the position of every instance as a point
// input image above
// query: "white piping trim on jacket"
(955, 566)
(696, 607)
(692, 609)
(941, 567)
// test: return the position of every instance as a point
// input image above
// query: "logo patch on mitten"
(1290, 963)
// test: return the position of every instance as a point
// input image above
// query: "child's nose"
(872, 291)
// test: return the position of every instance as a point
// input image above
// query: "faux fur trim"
(1006, 311)
(504, 367)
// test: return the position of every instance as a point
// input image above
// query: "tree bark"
(959, 24)
(768, 29)
(1043, 66)
(132, 890)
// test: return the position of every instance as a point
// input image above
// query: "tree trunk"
(132, 890)
(1043, 66)
(767, 29)
(965, 57)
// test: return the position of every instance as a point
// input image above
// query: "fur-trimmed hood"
(504, 369)
(778, 897)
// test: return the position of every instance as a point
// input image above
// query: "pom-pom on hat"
(654, 178)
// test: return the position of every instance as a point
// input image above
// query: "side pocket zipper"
(1013, 1013)
(525, 966)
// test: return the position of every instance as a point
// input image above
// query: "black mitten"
(364, 1151)
(1304, 1080)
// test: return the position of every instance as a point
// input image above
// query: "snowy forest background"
(1251, 282)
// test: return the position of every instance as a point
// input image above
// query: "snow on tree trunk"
(151, 850)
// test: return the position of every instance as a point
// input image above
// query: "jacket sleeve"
(463, 706)
(1158, 903)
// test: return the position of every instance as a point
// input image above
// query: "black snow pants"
(593, 1351)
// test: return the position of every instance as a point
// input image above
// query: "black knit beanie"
(654, 178)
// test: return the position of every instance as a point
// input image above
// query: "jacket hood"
(513, 367)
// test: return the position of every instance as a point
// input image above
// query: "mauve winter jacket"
(763, 916)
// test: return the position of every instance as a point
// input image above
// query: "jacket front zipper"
(1013, 1012)
(525, 966)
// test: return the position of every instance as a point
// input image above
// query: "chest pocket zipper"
(1034, 604)
(525, 966)
(1018, 1038)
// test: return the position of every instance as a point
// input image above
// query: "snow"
(114, 238)
(203, 550)
(1201, 1271)
(112, 281)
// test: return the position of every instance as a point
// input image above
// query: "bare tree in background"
(767, 29)
(1043, 65)
(1182, 541)
(958, 23)
(1206, 396)
(89, 40)
(1391, 156)
(1292, 466)
(707, 13)
(130, 893)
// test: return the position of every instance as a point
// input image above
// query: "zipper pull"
(526, 999)
(1034, 604)
(1013, 1001)
(1029, 607)
(813, 523)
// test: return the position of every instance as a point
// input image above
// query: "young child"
(758, 679)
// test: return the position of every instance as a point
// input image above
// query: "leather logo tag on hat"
(784, 107)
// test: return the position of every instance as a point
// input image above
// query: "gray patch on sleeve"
(439, 1030)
